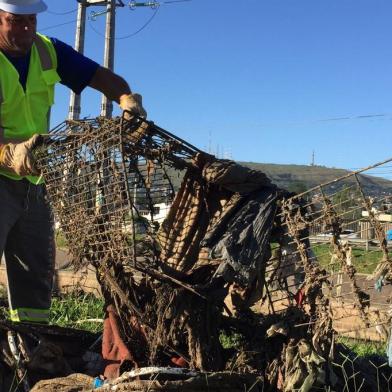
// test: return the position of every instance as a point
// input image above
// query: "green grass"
(233, 340)
(61, 242)
(76, 309)
(364, 348)
(361, 348)
(364, 261)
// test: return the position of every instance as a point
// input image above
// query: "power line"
(62, 13)
(58, 25)
(380, 172)
(111, 5)
(131, 34)
(175, 1)
(382, 167)
(133, 5)
(384, 116)
(366, 116)
(333, 119)
(153, 4)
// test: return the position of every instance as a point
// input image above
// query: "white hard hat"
(23, 7)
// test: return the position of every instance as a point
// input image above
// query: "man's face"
(17, 32)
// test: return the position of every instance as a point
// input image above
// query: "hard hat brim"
(36, 8)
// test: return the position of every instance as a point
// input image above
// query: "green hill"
(298, 178)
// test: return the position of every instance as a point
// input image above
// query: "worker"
(31, 64)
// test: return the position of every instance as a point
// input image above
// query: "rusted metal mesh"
(108, 191)
(106, 180)
(336, 255)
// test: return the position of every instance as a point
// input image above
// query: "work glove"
(132, 103)
(18, 157)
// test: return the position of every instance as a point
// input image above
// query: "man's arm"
(77, 71)
(109, 84)
(117, 89)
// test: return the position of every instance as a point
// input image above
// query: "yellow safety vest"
(24, 113)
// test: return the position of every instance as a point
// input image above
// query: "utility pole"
(107, 105)
(75, 99)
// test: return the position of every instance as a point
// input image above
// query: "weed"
(61, 241)
(77, 310)
(233, 340)
(364, 261)
(73, 310)
(364, 348)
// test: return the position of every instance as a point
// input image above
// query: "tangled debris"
(39, 352)
(230, 239)
(216, 233)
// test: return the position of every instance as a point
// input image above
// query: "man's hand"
(132, 103)
(18, 158)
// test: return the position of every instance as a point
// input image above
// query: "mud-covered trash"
(212, 382)
(72, 383)
(228, 234)
(34, 352)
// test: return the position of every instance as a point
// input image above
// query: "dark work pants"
(27, 240)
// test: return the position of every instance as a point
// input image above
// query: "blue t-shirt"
(74, 69)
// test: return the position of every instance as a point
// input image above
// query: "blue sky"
(255, 80)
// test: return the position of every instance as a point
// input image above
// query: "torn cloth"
(114, 351)
(222, 216)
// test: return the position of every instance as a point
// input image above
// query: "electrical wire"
(357, 168)
(343, 118)
(61, 13)
(379, 172)
(58, 25)
(128, 35)
(365, 116)
(175, 1)
(99, 33)
(291, 124)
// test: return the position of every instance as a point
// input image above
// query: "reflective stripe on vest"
(44, 55)
(29, 314)
(25, 112)
(2, 140)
